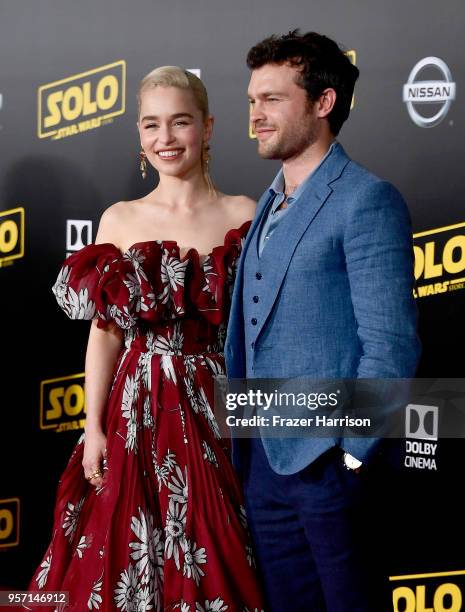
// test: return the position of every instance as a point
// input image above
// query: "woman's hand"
(95, 453)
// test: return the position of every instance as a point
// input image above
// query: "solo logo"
(62, 403)
(351, 54)
(438, 592)
(78, 234)
(9, 522)
(11, 235)
(81, 102)
(439, 260)
(437, 94)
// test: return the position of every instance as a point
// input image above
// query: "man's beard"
(290, 144)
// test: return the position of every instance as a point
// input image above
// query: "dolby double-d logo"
(421, 422)
(418, 95)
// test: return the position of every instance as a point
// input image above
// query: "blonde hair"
(173, 76)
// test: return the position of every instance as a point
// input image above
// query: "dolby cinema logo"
(422, 427)
(429, 92)
(78, 234)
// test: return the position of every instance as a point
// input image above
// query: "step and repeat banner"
(69, 145)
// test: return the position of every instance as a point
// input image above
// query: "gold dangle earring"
(206, 156)
(205, 166)
(143, 164)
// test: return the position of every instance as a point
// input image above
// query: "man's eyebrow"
(175, 116)
(266, 94)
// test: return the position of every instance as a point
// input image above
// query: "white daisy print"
(126, 589)
(172, 274)
(178, 485)
(71, 518)
(163, 471)
(147, 417)
(148, 551)
(215, 366)
(79, 305)
(144, 596)
(207, 412)
(148, 301)
(194, 557)
(167, 367)
(83, 544)
(130, 396)
(136, 257)
(122, 318)
(183, 607)
(243, 517)
(43, 574)
(250, 555)
(208, 454)
(215, 605)
(171, 343)
(95, 599)
(174, 530)
(170, 460)
(132, 283)
(61, 285)
(190, 392)
(190, 365)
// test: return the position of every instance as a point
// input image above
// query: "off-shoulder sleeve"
(148, 282)
(89, 286)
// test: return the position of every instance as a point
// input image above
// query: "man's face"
(282, 117)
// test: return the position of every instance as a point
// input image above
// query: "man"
(323, 290)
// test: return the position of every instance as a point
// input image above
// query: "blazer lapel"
(289, 232)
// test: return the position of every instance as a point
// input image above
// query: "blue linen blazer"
(336, 300)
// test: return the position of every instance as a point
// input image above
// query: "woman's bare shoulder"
(112, 222)
(240, 207)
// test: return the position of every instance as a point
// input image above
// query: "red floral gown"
(167, 529)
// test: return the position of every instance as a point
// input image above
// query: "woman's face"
(172, 130)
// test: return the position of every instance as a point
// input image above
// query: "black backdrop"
(59, 171)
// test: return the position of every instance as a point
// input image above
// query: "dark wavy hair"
(321, 64)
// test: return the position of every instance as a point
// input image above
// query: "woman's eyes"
(155, 125)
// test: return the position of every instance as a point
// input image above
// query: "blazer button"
(254, 321)
(255, 298)
(258, 275)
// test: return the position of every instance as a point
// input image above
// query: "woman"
(149, 512)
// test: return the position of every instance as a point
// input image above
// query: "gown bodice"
(164, 302)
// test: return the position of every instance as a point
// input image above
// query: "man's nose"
(256, 112)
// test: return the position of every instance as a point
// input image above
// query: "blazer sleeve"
(379, 259)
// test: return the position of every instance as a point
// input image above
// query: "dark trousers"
(314, 538)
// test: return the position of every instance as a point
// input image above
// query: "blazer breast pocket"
(322, 255)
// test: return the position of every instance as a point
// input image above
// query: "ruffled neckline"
(173, 244)
(150, 281)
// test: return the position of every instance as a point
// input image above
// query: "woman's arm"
(103, 348)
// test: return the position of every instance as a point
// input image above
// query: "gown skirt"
(167, 529)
